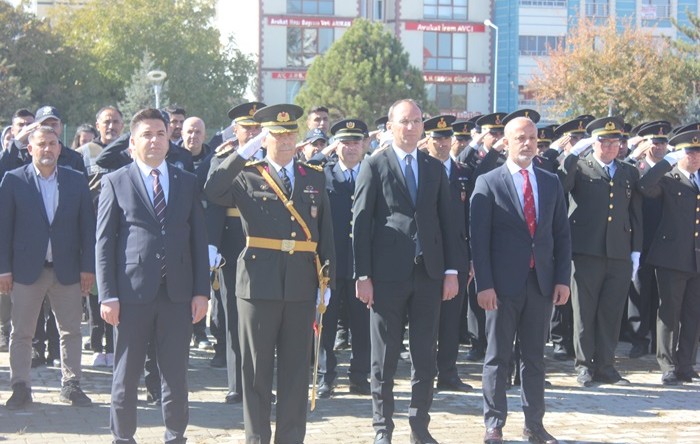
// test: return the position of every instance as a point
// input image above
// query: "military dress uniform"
(606, 227)
(675, 252)
(277, 277)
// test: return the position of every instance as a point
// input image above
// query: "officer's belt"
(233, 212)
(286, 245)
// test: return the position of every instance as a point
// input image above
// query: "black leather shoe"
(493, 436)
(325, 390)
(670, 378)
(474, 355)
(360, 388)
(233, 398)
(638, 350)
(454, 385)
(21, 397)
(584, 378)
(539, 436)
(689, 376)
(613, 378)
(421, 437)
(218, 361)
(382, 437)
(71, 393)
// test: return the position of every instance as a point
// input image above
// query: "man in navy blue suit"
(47, 248)
(521, 247)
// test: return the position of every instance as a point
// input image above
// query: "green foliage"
(688, 47)
(361, 75)
(12, 94)
(204, 76)
(139, 93)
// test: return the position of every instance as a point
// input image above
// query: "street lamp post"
(490, 24)
(156, 77)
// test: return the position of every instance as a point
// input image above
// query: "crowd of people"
(495, 231)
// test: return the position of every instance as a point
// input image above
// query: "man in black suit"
(152, 273)
(521, 246)
(606, 234)
(47, 227)
(675, 254)
(405, 263)
(439, 139)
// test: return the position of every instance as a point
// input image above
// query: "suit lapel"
(174, 190)
(396, 170)
(140, 188)
(30, 174)
(423, 164)
(340, 177)
(541, 181)
(276, 177)
(510, 187)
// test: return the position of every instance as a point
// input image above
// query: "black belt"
(48, 264)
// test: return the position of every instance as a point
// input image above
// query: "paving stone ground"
(643, 412)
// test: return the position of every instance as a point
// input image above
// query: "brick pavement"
(644, 412)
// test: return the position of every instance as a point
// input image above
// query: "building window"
(447, 96)
(544, 3)
(597, 8)
(293, 87)
(655, 9)
(303, 44)
(378, 10)
(317, 7)
(445, 9)
(444, 51)
(538, 45)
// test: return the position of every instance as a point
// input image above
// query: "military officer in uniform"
(675, 254)
(439, 131)
(461, 136)
(226, 238)
(340, 184)
(606, 230)
(285, 214)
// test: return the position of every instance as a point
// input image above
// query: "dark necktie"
(286, 181)
(352, 176)
(694, 181)
(607, 171)
(529, 209)
(159, 207)
(411, 178)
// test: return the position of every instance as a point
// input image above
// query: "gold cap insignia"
(527, 114)
(442, 124)
(350, 125)
(542, 134)
(696, 140)
(283, 117)
(661, 132)
(610, 126)
(580, 125)
(252, 110)
(498, 120)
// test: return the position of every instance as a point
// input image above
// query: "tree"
(600, 67)
(205, 77)
(12, 94)
(361, 75)
(688, 48)
(139, 93)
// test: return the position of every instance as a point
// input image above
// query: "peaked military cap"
(606, 128)
(655, 130)
(688, 140)
(439, 126)
(349, 129)
(525, 112)
(575, 126)
(243, 113)
(684, 128)
(462, 129)
(380, 123)
(545, 134)
(491, 121)
(279, 118)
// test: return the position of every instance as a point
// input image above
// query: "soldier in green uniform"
(605, 214)
(286, 219)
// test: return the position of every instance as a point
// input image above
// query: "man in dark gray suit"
(521, 247)
(47, 238)
(404, 242)
(152, 273)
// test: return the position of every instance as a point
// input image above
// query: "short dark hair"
(22, 112)
(176, 109)
(43, 129)
(84, 128)
(318, 108)
(146, 114)
(108, 107)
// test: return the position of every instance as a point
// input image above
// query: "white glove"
(581, 146)
(253, 145)
(214, 257)
(635, 263)
(326, 297)
(674, 156)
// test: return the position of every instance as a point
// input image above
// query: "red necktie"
(159, 207)
(529, 209)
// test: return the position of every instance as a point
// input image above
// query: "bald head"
(193, 131)
(520, 139)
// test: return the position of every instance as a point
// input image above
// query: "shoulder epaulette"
(254, 162)
(318, 168)
(225, 151)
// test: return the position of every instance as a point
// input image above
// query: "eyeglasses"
(611, 143)
(319, 143)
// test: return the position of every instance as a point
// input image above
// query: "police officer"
(285, 214)
(606, 231)
(675, 253)
(439, 131)
(226, 238)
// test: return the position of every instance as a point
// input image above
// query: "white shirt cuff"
(450, 271)
(110, 300)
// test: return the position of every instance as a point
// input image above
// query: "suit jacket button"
(252, 256)
(162, 232)
(293, 234)
(157, 255)
(609, 218)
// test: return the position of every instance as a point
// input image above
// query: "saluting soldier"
(226, 238)
(461, 136)
(606, 231)
(285, 214)
(675, 252)
(439, 131)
